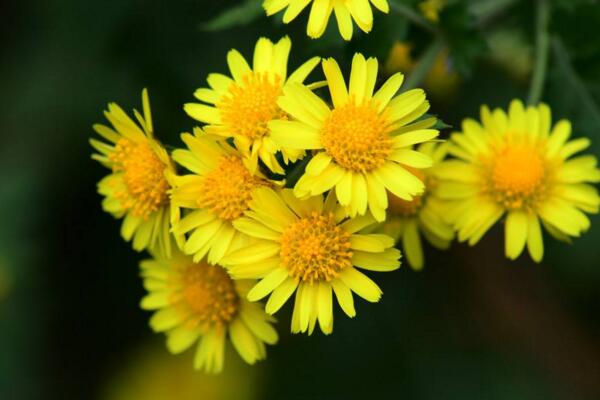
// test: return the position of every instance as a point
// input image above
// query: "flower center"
(249, 106)
(517, 177)
(407, 208)
(209, 293)
(143, 175)
(314, 248)
(227, 190)
(357, 138)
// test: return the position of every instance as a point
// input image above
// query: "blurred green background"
(472, 325)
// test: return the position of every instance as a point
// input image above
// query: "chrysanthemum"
(422, 216)
(364, 141)
(519, 165)
(345, 11)
(200, 303)
(311, 248)
(240, 107)
(217, 192)
(136, 190)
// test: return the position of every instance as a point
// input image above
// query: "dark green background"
(472, 325)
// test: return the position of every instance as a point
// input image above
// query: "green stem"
(413, 16)
(424, 65)
(541, 52)
(563, 62)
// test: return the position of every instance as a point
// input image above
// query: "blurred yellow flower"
(431, 9)
(241, 107)
(364, 142)
(518, 164)
(441, 81)
(152, 374)
(424, 215)
(309, 247)
(345, 11)
(136, 190)
(218, 191)
(200, 303)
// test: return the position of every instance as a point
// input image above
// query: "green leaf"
(238, 15)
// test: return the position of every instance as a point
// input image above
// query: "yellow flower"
(364, 142)
(424, 215)
(241, 107)
(136, 190)
(345, 11)
(218, 191)
(431, 9)
(517, 164)
(309, 245)
(200, 303)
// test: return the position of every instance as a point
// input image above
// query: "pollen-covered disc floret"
(250, 105)
(200, 303)
(356, 137)
(209, 293)
(144, 177)
(363, 143)
(227, 189)
(241, 106)
(315, 248)
(308, 247)
(518, 164)
(137, 189)
(517, 177)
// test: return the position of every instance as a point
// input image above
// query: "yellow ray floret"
(241, 106)
(345, 11)
(364, 143)
(137, 188)
(200, 303)
(423, 216)
(309, 247)
(216, 193)
(517, 164)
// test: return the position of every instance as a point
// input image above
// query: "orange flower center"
(227, 190)
(145, 186)
(315, 248)
(250, 105)
(209, 293)
(517, 177)
(357, 138)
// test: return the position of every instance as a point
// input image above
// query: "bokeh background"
(472, 325)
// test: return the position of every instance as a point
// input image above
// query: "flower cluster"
(288, 190)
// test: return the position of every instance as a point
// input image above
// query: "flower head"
(516, 164)
(423, 215)
(345, 11)
(217, 192)
(197, 302)
(311, 248)
(241, 107)
(137, 189)
(363, 143)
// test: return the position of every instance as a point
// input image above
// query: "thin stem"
(563, 62)
(424, 65)
(541, 52)
(413, 16)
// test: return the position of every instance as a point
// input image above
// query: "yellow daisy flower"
(423, 215)
(345, 11)
(431, 9)
(136, 190)
(309, 245)
(200, 303)
(218, 191)
(517, 164)
(364, 142)
(240, 107)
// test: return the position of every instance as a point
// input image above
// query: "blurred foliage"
(471, 325)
